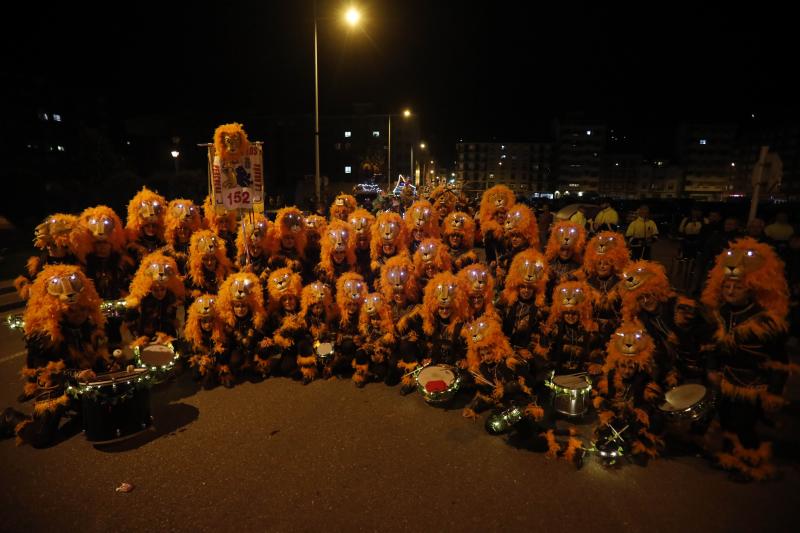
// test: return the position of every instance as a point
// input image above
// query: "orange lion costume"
(444, 201)
(145, 224)
(205, 335)
(224, 225)
(64, 338)
(459, 236)
(284, 323)
(180, 222)
(564, 251)
(495, 203)
(240, 304)
(337, 252)
(289, 241)
(421, 223)
(389, 238)
(253, 245)
(478, 284)
(343, 205)
(606, 258)
(431, 258)
(318, 312)
(208, 263)
(627, 394)
(155, 294)
(54, 237)
(644, 285)
(362, 221)
(747, 294)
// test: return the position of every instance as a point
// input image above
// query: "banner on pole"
(238, 183)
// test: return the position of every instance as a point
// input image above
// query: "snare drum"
(571, 394)
(324, 351)
(687, 403)
(115, 405)
(158, 359)
(438, 383)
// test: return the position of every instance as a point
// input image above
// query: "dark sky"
(469, 69)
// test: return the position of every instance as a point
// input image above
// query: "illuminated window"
(703, 141)
(588, 132)
(56, 117)
(43, 116)
(376, 133)
(348, 170)
(348, 134)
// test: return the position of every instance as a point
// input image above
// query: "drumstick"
(481, 378)
(416, 370)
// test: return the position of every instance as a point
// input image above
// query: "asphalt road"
(280, 456)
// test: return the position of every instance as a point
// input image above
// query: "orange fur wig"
(520, 219)
(607, 245)
(242, 286)
(155, 267)
(573, 296)
(443, 291)
(338, 237)
(643, 277)
(566, 234)
(145, 206)
(460, 222)
(388, 229)
(497, 198)
(528, 267)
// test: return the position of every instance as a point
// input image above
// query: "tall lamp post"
(422, 146)
(406, 114)
(351, 16)
(175, 154)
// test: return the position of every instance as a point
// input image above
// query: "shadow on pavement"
(167, 419)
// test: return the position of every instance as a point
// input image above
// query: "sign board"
(238, 183)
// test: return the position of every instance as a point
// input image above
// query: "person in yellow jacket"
(641, 234)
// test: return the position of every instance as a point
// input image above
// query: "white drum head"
(684, 397)
(436, 373)
(324, 348)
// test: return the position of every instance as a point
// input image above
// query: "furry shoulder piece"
(486, 343)
(643, 277)
(607, 245)
(155, 267)
(758, 266)
(528, 267)
(255, 229)
(443, 199)
(376, 307)
(573, 296)
(460, 222)
(54, 291)
(315, 223)
(421, 217)
(339, 238)
(443, 291)
(498, 198)
(181, 213)
(388, 229)
(431, 251)
(242, 286)
(98, 224)
(350, 287)
(630, 343)
(205, 242)
(398, 275)
(230, 141)
(520, 219)
(566, 234)
(283, 282)
(55, 229)
(218, 223)
(290, 222)
(342, 206)
(317, 292)
(203, 307)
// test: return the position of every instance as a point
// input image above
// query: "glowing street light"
(406, 114)
(175, 154)
(352, 16)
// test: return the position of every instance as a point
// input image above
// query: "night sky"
(469, 70)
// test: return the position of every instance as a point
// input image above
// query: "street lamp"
(175, 155)
(352, 16)
(406, 114)
(422, 146)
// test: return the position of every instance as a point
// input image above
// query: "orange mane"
(643, 277)
(584, 308)
(554, 243)
(193, 332)
(294, 287)
(232, 129)
(342, 296)
(218, 223)
(281, 228)
(196, 271)
(488, 208)
(327, 245)
(465, 283)
(643, 359)
(84, 241)
(767, 282)
(521, 219)
(400, 241)
(309, 297)
(514, 278)
(135, 221)
(430, 302)
(342, 206)
(254, 299)
(45, 312)
(430, 228)
(441, 259)
(264, 242)
(493, 347)
(467, 230)
(616, 251)
(174, 219)
(410, 289)
(142, 281)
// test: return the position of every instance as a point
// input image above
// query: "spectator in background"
(607, 219)
(579, 216)
(714, 245)
(641, 234)
(779, 233)
(755, 229)
(690, 230)
(545, 221)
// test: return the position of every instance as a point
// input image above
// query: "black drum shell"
(115, 411)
